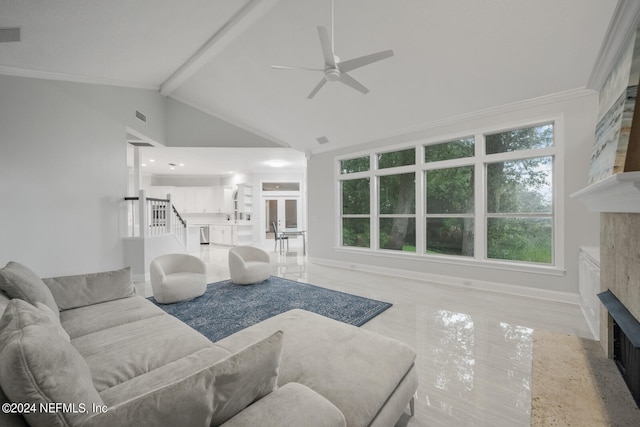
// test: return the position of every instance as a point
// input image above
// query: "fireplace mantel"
(617, 193)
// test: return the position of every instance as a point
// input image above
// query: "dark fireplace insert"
(626, 342)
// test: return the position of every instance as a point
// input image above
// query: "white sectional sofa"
(85, 350)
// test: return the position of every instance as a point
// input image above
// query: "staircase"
(154, 228)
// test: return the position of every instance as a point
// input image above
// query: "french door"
(281, 211)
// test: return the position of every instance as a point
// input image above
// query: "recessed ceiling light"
(143, 165)
(181, 164)
(276, 163)
(151, 160)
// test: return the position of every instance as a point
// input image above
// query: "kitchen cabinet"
(243, 234)
(196, 199)
(222, 234)
(221, 200)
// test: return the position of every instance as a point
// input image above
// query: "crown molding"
(475, 115)
(73, 78)
(621, 28)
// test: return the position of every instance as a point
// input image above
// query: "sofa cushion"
(120, 353)
(87, 289)
(19, 281)
(93, 318)
(41, 368)
(171, 373)
(10, 418)
(4, 301)
(245, 377)
(367, 366)
(290, 405)
(201, 389)
(59, 329)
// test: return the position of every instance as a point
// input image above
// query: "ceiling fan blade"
(350, 81)
(286, 67)
(325, 42)
(317, 88)
(352, 64)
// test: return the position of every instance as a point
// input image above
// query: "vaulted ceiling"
(450, 57)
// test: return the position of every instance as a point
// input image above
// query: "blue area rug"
(226, 308)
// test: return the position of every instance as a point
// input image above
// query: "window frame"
(480, 215)
(341, 216)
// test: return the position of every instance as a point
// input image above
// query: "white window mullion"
(373, 204)
(338, 201)
(480, 182)
(420, 200)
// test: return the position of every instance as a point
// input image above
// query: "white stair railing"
(148, 216)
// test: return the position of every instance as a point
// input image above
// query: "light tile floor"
(474, 347)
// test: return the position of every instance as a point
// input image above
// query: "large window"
(355, 203)
(397, 199)
(488, 196)
(450, 196)
(520, 196)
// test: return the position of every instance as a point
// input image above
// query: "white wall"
(255, 180)
(189, 127)
(63, 171)
(581, 227)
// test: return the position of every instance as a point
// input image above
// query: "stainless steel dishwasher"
(204, 234)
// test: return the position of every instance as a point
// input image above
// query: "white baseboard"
(504, 288)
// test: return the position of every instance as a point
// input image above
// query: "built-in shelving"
(589, 284)
(243, 205)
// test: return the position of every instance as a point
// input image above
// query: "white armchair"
(248, 265)
(177, 277)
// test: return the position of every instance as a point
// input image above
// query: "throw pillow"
(17, 281)
(37, 367)
(54, 318)
(4, 301)
(246, 376)
(86, 289)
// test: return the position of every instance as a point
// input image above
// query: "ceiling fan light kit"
(336, 70)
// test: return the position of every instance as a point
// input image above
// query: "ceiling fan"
(336, 69)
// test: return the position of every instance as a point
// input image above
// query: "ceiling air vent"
(140, 144)
(322, 140)
(141, 116)
(9, 35)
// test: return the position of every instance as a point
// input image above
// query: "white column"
(137, 174)
(142, 210)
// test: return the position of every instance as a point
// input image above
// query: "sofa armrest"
(291, 405)
(88, 289)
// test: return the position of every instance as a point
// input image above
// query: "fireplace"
(625, 342)
(617, 199)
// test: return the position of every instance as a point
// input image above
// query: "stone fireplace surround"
(617, 198)
(620, 275)
(619, 267)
